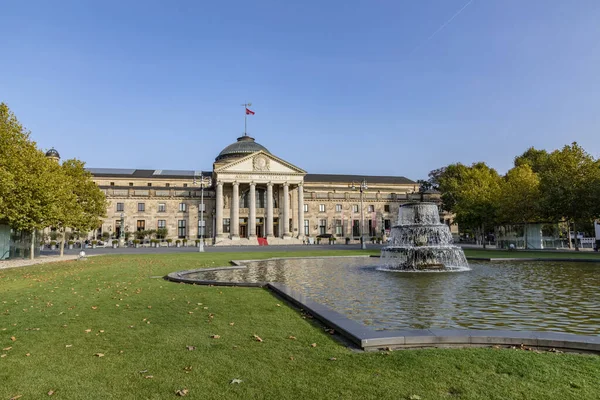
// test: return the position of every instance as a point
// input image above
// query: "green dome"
(245, 145)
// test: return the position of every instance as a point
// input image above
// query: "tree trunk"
(525, 236)
(569, 234)
(62, 247)
(483, 235)
(32, 246)
(575, 230)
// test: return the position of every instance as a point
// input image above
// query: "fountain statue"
(420, 242)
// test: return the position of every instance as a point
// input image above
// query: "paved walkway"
(45, 258)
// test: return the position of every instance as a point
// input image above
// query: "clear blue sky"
(365, 87)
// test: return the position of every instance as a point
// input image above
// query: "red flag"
(249, 112)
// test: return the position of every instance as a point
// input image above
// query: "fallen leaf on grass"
(94, 307)
(149, 377)
(292, 358)
(7, 348)
(278, 305)
(238, 381)
(231, 324)
(16, 397)
(182, 392)
(143, 371)
(215, 336)
(313, 345)
(99, 355)
(292, 337)
(190, 348)
(87, 330)
(187, 369)
(14, 339)
(414, 397)
(333, 359)
(2, 355)
(257, 338)
(28, 354)
(68, 345)
(51, 392)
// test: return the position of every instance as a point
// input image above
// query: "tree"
(471, 193)
(29, 181)
(83, 210)
(519, 200)
(569, 186)
(536, 159)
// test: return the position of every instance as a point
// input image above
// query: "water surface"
(528, 295)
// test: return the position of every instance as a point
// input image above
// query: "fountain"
(420, 242)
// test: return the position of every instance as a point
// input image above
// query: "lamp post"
(122, 231)
(362, 186)
(204, 180)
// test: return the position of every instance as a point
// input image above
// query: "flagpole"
(246, 105)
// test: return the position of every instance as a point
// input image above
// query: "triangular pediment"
(261, 162)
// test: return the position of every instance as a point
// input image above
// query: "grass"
(62, 314)
(532, 254)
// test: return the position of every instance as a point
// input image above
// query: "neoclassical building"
(251, 196)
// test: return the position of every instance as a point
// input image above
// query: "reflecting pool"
(540, 296)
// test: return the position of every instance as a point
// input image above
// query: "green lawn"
(531, 254)
(63, 315)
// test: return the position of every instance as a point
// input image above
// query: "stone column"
(252, 211)
(219, 210)
(285, 224)
(269, 224)
(300, 211)
(235, 211)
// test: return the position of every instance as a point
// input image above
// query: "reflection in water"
(546, 296)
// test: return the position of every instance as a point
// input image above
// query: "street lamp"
(362, 186)
(122, 231)
(204, 181)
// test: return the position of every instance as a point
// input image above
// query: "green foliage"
(571, 184)
(471, 193)
(36, 192)
(162, 233)
(519, 201)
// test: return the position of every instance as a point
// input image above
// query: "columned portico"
(286, 211)
(235, 211)
(252, 211)
(219, 209)
(300, 211)
(269, 227)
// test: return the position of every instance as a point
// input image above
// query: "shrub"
(169, 240)
(70, 243)
(115, 242)
(136, 241)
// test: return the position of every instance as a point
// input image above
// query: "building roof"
(243, 146)
(146, 173)
(52, 153)
(394, 180)
(308, 178)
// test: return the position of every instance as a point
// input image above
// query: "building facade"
(251, 195)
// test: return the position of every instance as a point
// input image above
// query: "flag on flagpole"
(249, 112)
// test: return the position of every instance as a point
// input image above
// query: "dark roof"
(146, 173)
(394, 180)
(244, 145)
(52, 153)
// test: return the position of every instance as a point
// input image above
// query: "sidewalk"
(15, 263)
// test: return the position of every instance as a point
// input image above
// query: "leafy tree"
(570, 186)
(30, 183)
(36, 192)
(519, 200)
(536, 159)
(471, 193)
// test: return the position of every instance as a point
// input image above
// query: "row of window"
(162, 207)
(355, 208)
(150, 184)
(162, 224)
(339, 227)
